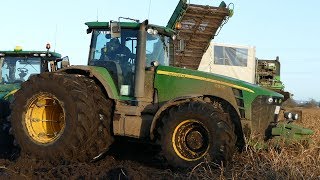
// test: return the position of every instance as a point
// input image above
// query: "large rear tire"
(56, 117)
(6, 140)
(193, 131)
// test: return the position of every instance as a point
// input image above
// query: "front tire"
(192, 131)
(55, 117)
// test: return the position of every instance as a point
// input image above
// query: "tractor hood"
(217, 79)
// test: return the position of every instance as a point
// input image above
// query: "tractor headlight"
(288, 115)
(295, 116)
(150, 31)
(270, 100)
(275, 100)
(155, 32)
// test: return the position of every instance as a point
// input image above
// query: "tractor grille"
(263, 113)
(239, 99)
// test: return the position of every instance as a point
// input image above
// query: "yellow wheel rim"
(45, 118)
(190, 140)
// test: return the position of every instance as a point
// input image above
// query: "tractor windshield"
(123, 50)
(114, 49)
(19, 69)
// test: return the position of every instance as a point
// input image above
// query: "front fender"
(168, 104)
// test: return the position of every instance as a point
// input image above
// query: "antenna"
(55, 39)
(97, 14)
(149, 9)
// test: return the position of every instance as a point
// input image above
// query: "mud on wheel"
(57, 117)
(195, 130)
(6, 140)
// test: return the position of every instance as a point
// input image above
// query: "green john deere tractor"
(131, 87)
(16, 67)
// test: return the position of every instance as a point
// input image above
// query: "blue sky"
(288, 29)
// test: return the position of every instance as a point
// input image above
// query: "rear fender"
(100, 74)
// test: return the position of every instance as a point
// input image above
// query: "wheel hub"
(45, 118)
(194, 140)
(191, 140)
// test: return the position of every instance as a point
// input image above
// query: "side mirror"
(115, 29)
(89, 30)
(65, 62)
(59, 63)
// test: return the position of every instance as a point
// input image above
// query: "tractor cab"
(17, 66)
(122, 46)
(129, 50)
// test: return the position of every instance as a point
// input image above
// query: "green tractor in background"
(134, 86)
(17, 67)
(268, 76)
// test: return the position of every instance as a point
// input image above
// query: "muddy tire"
(193, 131)
(56, 117)
(6, 140)
(4, 109)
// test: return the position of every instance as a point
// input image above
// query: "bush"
(290, 103)
(311, 104)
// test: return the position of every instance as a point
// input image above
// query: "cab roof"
(129, 25)
(28, 54)
(104, 25)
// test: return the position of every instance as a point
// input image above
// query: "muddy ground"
(125, 160)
